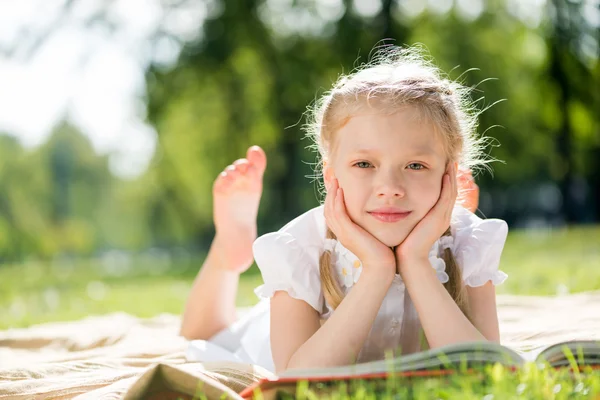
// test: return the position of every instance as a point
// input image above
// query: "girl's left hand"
(419, 241)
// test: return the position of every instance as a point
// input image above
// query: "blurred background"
(117, 115)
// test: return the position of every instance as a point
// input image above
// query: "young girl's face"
(390, 168)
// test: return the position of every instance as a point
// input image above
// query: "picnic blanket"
(117, 356)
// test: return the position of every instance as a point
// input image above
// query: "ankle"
(220, 252)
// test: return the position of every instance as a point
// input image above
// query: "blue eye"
(363, 164)
(416, 166)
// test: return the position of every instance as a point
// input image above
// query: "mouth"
(389, 214)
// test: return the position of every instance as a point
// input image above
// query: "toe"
(257, 157)
(232, 172)
(241, 165)
(222, 182)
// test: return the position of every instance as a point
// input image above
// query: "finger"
(446, 189)
(452, 181)
(329, 195)
(453, 193)
(450, 193)
(441, 207)
(340, 208)
(454, 185)
(330, 200)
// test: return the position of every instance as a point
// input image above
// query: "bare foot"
(468, 190)
(236, 197)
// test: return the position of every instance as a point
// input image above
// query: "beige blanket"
(103, 357)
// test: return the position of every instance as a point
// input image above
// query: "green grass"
(37, 292)
(552, 262)
(537, 262)
(487, 383)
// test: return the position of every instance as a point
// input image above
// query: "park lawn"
(537, 262)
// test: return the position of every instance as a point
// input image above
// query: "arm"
(297, 341)
(442, 320)
(484, 314)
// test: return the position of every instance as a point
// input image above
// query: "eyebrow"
(424, 151)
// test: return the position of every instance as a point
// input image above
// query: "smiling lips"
(389, 214)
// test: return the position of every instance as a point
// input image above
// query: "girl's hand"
(374, 255)
(418, 243)
(469, 190)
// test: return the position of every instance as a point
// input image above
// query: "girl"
(388, 262)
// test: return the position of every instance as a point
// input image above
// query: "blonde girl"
(391, 262)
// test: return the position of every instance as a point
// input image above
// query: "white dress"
(289, 261)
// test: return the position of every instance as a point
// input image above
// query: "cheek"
(429, 190)
(354, 199)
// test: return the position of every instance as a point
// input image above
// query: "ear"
(328, 174)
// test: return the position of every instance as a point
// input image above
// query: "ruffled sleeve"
(479, 245)
(287, 266)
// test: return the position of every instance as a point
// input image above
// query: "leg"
(236, 196)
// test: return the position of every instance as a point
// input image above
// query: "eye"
(363, 164)
(416, 166)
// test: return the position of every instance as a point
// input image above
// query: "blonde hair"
(395, 78)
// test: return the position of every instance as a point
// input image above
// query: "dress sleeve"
(478, 250)
(288, 266)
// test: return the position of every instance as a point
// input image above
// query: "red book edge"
(266, 383)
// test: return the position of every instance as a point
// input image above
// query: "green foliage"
(51, 198)
(249, 79)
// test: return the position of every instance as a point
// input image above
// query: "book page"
(440, 358)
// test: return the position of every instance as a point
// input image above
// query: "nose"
(390, 184)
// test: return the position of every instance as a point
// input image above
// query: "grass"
(538, 263)
(37, 292)
(547, 262)
(487, 383)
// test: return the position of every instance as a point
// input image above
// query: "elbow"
(200, 331)
(295, 361)
(493, 339)
(186, 332)
(282, 365)
(191, 332)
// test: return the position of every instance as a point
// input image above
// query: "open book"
(438, 361)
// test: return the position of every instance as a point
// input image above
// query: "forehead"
(405, 131)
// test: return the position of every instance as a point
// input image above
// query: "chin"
(391, 239)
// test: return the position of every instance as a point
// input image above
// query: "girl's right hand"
(374, 255)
